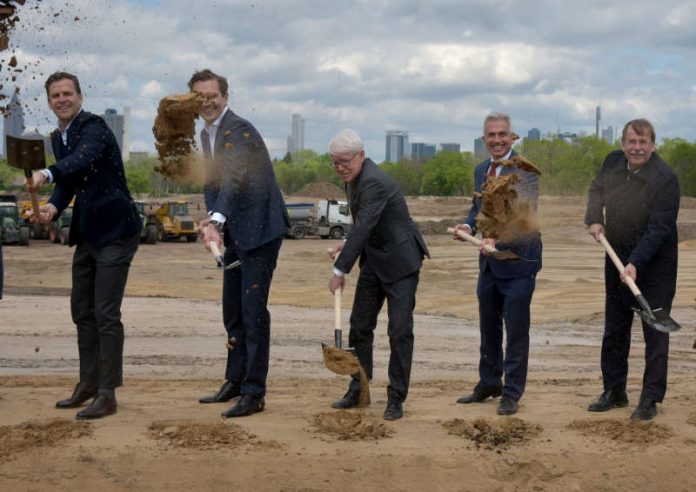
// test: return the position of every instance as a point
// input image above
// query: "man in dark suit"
(390, 250)
(106, 231)
(246, 208)
(505, 287)
(635, 198)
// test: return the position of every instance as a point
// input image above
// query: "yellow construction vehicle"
(174, 222)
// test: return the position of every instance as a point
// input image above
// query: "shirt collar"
(212, 128)
(506, 157)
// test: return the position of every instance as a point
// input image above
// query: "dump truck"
(324, 218)
(13, 229)
(174, 222)
(149, 234)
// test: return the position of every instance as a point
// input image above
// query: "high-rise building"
(422, 152)
(480, 148)
(296, 138)
(13, 119)
(451, 147)
(598, 119)
(534, 134)
(125, 151)
(397, 145)
(608, 135)
(116, 124)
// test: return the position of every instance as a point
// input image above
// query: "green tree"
(407, 173)
(681, 155)
(448, 174)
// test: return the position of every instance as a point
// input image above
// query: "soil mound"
(628, 432)
(692, 418)
(493, 434)
(350, 426)
(39, 433)
(321, 189)
(203, 435)
(174, 130)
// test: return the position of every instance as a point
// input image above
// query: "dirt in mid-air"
(346, 363)
(175, 131)
(350, 426)
(505, 215)
(493, 434)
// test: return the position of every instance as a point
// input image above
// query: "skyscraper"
(397, 145)
(479, 148)
(13, 119)
(451, 147)
(534, 134)
(608, 135)
(422, 152)
(116, 124)
(598, 119)
(296, 138)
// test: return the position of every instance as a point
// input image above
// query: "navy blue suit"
(639, 213)
(106, 229)
(241, 185)
(504, 291)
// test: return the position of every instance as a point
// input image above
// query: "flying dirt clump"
(174, 130)
(493, 434)
(504, 215)
(350, 426)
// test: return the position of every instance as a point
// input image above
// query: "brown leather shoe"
(226, 392)
(100, 407)
(82, 393)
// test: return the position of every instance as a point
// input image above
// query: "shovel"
(656, 318)
(495, 253)
(27, 154)
(344, 361)
(220, 263)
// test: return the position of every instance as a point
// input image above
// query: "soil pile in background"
(36, 433)
(321, 189)
(505, 215)
(493, 434)
(350, 426)
(628, 431)
(174, 131)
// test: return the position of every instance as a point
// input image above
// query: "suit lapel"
(220, 134)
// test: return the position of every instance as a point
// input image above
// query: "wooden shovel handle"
(471, 239)
(34, 201)
(620, 266)
(337, 309)
(216, 253)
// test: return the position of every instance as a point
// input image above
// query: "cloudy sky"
(434, 68)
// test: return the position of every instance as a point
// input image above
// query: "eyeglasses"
(344, 163)
(641, 142)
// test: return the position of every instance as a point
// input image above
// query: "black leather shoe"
(646, 410)
(608, 400)
(226, 392)
(82, 393)
(246, 405)
(507, 406)
(350, 399)
(394, 411)
(481, 393)
(100, 407)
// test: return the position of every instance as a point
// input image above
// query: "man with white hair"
(390, 249)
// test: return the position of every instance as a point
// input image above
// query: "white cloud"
(152, 89)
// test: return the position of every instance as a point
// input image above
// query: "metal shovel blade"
(25, 153)
(657, 318)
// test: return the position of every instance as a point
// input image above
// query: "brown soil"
(175, 132)
(204, 435)
(630, 432)
(39, 433)
(493, 434)
(346, 364)
(350, 426)
(321, 190)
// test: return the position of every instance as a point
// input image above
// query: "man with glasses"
(390, 250)
(634, 202)
(505, 287)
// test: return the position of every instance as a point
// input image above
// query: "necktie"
(492, 168)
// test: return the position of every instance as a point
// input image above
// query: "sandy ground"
(161, 438)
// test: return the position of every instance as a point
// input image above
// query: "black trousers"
(616, 342)
(99, 278)
(370, 294)
(246, 316)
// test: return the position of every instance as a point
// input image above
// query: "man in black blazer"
(246, 208)
(505, 287)
(634, 201)
(390, 250)
(106, 232)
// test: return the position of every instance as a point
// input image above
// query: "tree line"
(567, 169)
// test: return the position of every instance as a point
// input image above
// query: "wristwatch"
(217, 224)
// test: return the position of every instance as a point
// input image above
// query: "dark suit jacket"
(528, 247)
(383, 234)
(639, 213)
(90, 169)
(240, 184)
